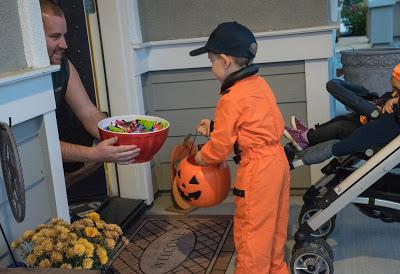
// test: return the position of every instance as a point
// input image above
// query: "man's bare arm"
(80, 103)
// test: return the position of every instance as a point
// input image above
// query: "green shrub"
(354, 16)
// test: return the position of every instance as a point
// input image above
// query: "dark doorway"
(94, 187)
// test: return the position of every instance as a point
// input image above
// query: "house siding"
(177, 19)
(183, 97)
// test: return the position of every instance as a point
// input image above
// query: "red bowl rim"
(106, 122)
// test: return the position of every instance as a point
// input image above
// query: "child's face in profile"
(218, 66)
(395, 87)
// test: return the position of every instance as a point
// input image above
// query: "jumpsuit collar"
(245, 72)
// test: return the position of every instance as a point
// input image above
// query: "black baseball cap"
(230, 38)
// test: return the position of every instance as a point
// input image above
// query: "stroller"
(364, 179)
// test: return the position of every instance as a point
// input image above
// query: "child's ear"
(226, 61)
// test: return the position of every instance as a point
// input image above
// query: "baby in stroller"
(352, 129)
(362, 176)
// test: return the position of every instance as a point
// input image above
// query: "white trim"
(26, 98)
(119, 29)
(54, 167)
(101, 91)
(22, 75)
(33, 33)
(28, 95)
(272, 47)
(138, 45)
(318, 103)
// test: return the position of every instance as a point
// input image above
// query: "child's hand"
(388, 107)
(204, 127)
(198, 159)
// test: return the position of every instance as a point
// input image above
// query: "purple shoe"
(296, 137)
(297, 124)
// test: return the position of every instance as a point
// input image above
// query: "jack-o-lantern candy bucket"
(203, 186)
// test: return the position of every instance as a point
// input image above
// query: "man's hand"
(203, 128)
(105, 151)
(388, 107)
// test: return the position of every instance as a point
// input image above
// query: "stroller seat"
(368, 180)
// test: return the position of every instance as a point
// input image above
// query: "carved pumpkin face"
(202, 186)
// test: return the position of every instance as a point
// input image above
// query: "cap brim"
(198, 51)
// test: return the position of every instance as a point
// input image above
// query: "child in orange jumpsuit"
(247, 115)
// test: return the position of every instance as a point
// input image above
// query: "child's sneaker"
(297, 124)
(296, 137)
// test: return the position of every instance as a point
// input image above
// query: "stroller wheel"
(315, 242)
(322, 244)
(311, 259)
(325, 230)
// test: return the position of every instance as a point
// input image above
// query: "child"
(247, 114)
(341, 126)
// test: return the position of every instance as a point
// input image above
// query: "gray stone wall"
(177, 19)
(12, 55)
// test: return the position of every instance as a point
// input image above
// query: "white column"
(318, 106)
(120, 27)
(33, 34)
(55, 172)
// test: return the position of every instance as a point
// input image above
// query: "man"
(71, 97)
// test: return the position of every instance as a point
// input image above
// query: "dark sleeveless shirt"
(69, 127)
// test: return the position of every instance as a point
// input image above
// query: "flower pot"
(371, 68)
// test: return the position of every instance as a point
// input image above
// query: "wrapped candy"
(135, 126)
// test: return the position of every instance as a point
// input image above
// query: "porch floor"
(361, 245)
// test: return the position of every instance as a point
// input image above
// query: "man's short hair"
(51, 7)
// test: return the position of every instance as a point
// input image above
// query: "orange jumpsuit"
(248, 113)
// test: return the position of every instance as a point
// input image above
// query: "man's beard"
(56, 57)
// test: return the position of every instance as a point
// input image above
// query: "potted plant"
(88, 243)
(354, 16)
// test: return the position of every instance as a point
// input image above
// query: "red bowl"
(148, 142)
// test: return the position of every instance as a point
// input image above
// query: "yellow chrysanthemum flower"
(47, 245)
(15, 244)
(83, 241)
(55, 221)
(79, 249)
(125, 240)
(110, 243)
(66, 266)
(79, 226)
(103, 259)
(31, 259)
(73, 236)
(45, 263)
(102, 254)
(94, 216)
(35, 237)
(70, 252)
(28, 234)
(61, 229)
(37, 251)
(91, 232)
(50, 232)
(64, 236)
(100, 224)
(56, 257)
(87, 263)
(40, 227)
(58, 246)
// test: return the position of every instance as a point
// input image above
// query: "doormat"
(175, 244)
